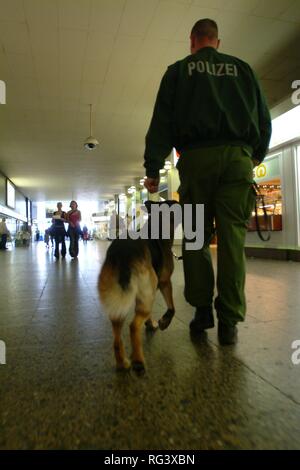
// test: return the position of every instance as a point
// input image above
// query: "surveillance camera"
(91, 143)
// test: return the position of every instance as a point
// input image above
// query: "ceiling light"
(90, 142)
(168, 165)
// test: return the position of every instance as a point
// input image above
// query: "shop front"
(278, 180)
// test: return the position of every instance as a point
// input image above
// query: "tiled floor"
(59, 388)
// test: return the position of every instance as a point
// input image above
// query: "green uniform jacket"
(207, 99)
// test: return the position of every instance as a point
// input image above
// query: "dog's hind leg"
(137, 358)
(144, 303)
(122, 361)
(166, 289)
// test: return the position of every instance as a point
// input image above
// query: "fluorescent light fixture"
(285, 127)
(10, 195)
(29, 211)
(168, 165)
(162, 172)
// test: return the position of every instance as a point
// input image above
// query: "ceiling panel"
(4, 68)
(21, 65)
(292, 13)
(152, 51)
(272, 8)
(47, 68)
(57, 56)
(106, 15)
(94, 71)
(74, 14)
(99, 46)
(245, 6)
(281, 70)
(90, 92)
(12, 11)
(137, 17)
(42, 15)
(167, 19)
(14, 38)
(212, 3)
(72, 43)
(71, 68)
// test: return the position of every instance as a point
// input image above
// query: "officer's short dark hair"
(205, 28)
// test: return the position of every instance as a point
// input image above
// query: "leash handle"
(259, 198)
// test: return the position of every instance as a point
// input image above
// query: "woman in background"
(74, 231)
(58, 220)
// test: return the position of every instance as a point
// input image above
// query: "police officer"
(211, 109)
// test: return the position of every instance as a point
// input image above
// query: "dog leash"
(260, 202)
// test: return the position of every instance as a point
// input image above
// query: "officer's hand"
(152, 184)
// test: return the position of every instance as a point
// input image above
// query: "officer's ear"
(192, 43)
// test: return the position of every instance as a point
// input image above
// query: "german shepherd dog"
(132, 272)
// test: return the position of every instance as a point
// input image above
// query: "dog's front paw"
(166, 319)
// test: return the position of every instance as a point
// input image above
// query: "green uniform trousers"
(221, 179)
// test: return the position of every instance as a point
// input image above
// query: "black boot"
(203, 320)
(227, 334)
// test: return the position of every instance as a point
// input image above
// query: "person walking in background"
(211, 109)
(74, 230)
(4, 234)
(46, 238)
(85, 234)
(58, 220)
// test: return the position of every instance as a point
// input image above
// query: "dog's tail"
(119, 278)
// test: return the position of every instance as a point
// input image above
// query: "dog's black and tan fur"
(132, 272)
